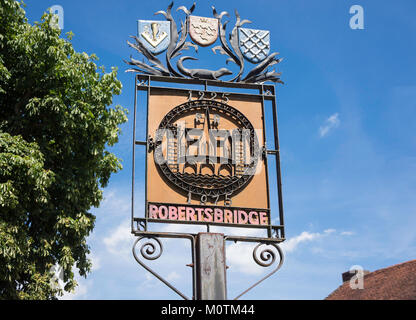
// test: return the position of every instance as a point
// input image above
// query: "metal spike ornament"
(155, 37)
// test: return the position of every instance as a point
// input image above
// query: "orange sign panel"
(206, 163)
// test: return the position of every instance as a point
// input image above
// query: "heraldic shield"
(254, 44)
(154, 35)
(203, 31)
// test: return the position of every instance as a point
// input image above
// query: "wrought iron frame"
(276, 235)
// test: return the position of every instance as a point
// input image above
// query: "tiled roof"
(397, 282)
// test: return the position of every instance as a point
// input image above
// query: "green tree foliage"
(55, 125)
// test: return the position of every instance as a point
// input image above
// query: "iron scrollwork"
(265, 258)
(152, 249)
(259, 74)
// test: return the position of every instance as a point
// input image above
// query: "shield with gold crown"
(154, 35)
(203, 31)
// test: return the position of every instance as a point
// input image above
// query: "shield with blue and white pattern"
(254, 44)
(155, 35)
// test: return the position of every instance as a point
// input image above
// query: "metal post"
(210, 267)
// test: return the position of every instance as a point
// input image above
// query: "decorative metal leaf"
(182, 45)
(187, 12)
(160, 68)
(219, 16)
(235, 46)
(261, 67)
(173, 38)
(147, 69)
(239, 60)
(221, 50)
(229, 60)
(150, 56)
(266, 76)
(186, 46)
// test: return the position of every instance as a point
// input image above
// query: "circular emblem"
(206, 147)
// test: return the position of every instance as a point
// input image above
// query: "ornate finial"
(243, 44)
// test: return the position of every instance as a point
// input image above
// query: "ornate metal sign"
(250, 44)
(206, 164)
(206, 151)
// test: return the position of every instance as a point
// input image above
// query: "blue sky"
(347, 138)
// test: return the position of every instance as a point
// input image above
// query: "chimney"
(346, 276)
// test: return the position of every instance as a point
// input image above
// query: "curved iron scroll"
(153, 250)
(265, 258)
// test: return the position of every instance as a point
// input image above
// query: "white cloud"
(329, 231)
(115, 202)
(152, 282)
(347, 233)
(330, 123)
(239, 258)
(173, 276)
(120, 240)
(79, 292)
(235, 231)
(96, 262)
(292, 243)
(240, 255)
(179, 228)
